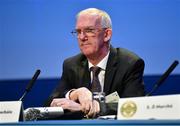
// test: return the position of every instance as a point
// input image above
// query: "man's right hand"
(84, 97)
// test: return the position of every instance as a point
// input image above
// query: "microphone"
(41, 113)
(163, 77)
(30, 84)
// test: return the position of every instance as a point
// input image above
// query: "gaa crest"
(128, 109)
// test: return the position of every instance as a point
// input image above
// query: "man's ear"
(108, 34)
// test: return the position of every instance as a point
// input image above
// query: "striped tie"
(95, 85)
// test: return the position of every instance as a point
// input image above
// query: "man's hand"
(94, 109)
(84, 96)
(66, 104)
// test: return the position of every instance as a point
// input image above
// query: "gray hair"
(105, 18)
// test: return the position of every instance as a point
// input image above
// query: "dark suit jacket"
(124, 74)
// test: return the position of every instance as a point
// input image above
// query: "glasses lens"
(87, 31)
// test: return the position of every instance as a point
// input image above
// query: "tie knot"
(95, 70)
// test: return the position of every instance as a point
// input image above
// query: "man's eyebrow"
(85, 27)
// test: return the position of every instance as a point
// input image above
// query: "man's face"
(90, 35)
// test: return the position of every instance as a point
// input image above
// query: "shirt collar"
(102, 64)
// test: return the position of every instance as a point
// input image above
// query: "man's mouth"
(85, 44)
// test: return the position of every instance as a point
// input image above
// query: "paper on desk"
(113, 97)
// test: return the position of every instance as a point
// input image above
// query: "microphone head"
(164, 76)
(31, 114)
(29, 86)
(176, 62)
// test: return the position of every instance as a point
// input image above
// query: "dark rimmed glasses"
(87, 31)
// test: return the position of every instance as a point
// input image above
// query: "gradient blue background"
(35, 34)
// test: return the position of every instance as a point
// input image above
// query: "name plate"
(152, 107)
(10, 111)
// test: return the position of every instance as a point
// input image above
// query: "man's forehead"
(88, 21)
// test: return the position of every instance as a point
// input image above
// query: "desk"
(101, 123)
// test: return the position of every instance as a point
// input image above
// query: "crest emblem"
(128, 109)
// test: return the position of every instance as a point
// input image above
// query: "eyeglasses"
(87, 31)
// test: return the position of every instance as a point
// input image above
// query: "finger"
(89, 106)
(86, 107)
(91, 111)
(97, 106)
(95, 109)
(53, 103)
(64, 106)
(57, 102)
(83, 108)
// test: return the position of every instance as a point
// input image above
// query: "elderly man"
(112, 69)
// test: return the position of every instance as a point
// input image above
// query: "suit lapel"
(84, 73)
(110, 70)
(109, 74)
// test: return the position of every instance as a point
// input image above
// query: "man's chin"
(87, 53)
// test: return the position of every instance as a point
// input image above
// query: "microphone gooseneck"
(30, 84)
(163, 77)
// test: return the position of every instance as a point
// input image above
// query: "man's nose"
(82, 35)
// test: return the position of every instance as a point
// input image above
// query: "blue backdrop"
(35, 34)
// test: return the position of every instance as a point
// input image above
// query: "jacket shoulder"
(77, 59)
(127, 55)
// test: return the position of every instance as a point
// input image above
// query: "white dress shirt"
(102, 64)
